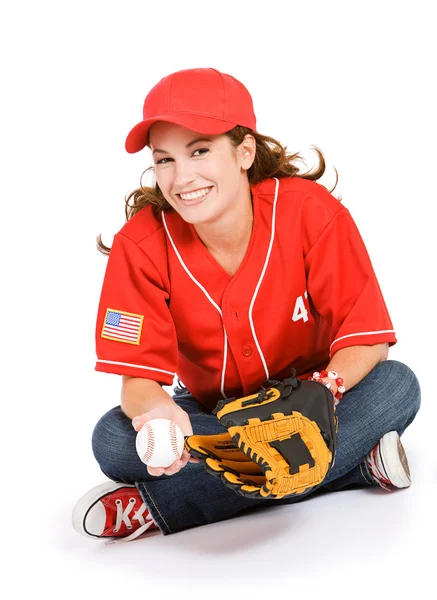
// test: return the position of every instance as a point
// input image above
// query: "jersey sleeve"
(344, 289)
(135, 333)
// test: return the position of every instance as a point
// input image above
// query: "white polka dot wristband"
(335, 377)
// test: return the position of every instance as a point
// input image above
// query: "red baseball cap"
(203, 100)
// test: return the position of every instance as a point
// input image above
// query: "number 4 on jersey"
(300, 312)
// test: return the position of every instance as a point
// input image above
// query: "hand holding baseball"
(170, 425)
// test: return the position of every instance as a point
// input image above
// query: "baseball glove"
(280, 442)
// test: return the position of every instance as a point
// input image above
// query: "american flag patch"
(122, 326)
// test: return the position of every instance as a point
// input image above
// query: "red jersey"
(305, 289)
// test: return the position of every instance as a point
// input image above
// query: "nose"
(184, 174)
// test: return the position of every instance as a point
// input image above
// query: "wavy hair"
(271, 160)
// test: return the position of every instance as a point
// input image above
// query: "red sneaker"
(112, 510)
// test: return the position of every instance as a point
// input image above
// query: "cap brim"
(137, 138)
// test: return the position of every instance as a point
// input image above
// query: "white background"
(356, 79)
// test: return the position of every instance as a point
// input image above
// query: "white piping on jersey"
(114, 362)
(216, 306)
(361, 333)
(225, 350)
(269, 251)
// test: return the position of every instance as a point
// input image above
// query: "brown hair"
(271, 160)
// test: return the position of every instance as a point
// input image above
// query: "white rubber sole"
(84, 504)
(394, 460)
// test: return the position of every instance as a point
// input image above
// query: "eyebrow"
(201, 139)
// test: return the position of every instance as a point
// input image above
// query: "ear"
(247, 151)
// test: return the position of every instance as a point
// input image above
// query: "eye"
(202, 150)
(164, 161)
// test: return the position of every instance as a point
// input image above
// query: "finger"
(178, 464)
(184, 457)
(155, 471)
(187, 455)
(183, 460)
(138, 422)
(174, 468)
(170, 470)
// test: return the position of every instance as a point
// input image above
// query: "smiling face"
(201, 176)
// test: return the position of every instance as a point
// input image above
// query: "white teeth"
(193, 195)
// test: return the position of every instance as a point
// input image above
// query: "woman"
(232, 270)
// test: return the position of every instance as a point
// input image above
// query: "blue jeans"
(387, 399)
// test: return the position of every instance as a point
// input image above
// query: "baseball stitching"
(173, 439)
(150, 444)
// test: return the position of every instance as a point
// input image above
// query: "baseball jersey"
(306, 288)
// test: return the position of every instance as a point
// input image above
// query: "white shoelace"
(123, 516)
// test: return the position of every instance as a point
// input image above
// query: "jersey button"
(247, 351)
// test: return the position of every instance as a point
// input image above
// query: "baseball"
(159, 443)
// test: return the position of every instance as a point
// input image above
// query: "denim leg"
(387, 399)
